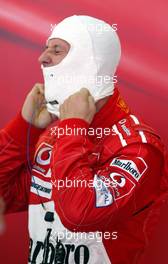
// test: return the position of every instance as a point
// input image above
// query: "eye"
(57, 51)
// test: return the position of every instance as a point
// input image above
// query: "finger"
(39, 85)
(85, 92)
(61, 111)
(61, 108)
(91, 101)
(39, 88)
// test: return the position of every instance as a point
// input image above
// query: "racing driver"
(93, 198)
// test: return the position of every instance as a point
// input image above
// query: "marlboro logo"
(135, 167)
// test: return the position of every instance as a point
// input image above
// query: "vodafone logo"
(42, 160)
(44, 156)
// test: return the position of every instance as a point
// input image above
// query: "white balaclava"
(90, 63)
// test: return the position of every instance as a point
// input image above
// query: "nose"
(45, 59)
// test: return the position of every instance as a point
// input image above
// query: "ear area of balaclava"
(106, 44)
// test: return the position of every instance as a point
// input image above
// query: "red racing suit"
(93, 196)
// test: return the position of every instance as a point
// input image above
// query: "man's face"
(54, 52)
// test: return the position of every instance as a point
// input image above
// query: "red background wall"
(143, 80)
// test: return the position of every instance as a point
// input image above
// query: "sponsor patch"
(135, 167)
(42, 160)
(122, 104)
(40, 187)
(124, 127)
(103, 194)
(122, 185)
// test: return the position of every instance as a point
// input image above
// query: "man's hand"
(2, 208)
(79, 105)
(34, 109)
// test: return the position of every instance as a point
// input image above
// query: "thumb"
(91, 100)
(85, 92)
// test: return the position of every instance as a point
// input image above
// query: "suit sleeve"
(17, 141)
(121, 187)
